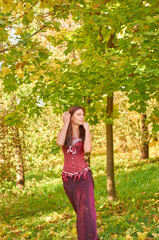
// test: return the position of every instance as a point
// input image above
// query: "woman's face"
(78, 117)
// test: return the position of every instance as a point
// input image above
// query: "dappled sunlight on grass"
(42, 210)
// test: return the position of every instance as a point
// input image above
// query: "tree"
(19, 159)
(111, 44)
(145, 144)
(110, 153)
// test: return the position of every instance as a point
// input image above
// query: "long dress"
(79, 186)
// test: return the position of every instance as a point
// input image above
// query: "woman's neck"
(75, 131)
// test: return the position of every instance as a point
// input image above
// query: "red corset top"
(74, 163)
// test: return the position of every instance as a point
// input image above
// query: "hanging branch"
(141, 3)
(6, 49)
(25, 12)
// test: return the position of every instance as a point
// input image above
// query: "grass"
(42, 210)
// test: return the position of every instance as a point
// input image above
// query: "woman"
(75, 140)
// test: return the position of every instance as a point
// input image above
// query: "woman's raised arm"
(61, 136)
(88, 138)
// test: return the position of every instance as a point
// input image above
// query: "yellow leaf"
(56, 66)
(114, 236)
(48, 219)
(39, 236)
(155, 118)
(141, 235)
(30, 68)
(137, 39)
(25, 57)
(19, 7)
(91, 21)
(26, 235)
(114, 57)
(76, 62)
(30, 16)
(18, 31)
(27, 5)
(128, 237)
(46, 78)
(5, 71)
(51, 233)
(6, 7)
(146, 27)
(146, 229)
(64, 86)
(155, 235)
(20, 73)
(10, 2)
(35, 77)
(133, 216)
(41, 72)
(74, 231)
(1, 46)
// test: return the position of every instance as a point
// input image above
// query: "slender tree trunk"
(154, 137)
(19, 159)
(87, 155)
(144, 138)
(87, 158)
(110, 154)
(3, 158)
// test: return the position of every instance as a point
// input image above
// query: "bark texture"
(19, 159)
(110, 153)
(87, 158)
(144, 138)
(3, 157)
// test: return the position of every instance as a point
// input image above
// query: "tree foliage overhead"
(24, 57)
(66, 52)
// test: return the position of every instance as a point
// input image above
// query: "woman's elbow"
(88, 150)
(59, 143)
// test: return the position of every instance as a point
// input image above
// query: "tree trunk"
(3, 158)
(19, 159)
(154, 137)
(110, 155)
(144, 138)
(87, 158)
(88, 100)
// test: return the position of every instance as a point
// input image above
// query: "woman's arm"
(61, 136)
(88, 138)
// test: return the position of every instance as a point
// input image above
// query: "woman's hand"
(66, 117)
(86, 125)
(88, 138)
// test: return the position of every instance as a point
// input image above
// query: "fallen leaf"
(141, 235)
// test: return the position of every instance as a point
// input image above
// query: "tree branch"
(26, 12)
(141, 3)
(110, 43)
(6, 49)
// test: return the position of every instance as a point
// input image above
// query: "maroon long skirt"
(81, 196)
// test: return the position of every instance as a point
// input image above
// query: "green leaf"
(155, 127)
(57, 25)
(55, 148)
(13, 119)
(68, 50)
(9, 83)
(43, 55)
(2, 22)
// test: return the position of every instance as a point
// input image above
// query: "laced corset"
(74, 163)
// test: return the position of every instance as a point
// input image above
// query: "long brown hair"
(68, 139)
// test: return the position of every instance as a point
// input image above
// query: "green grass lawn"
(43, 211)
